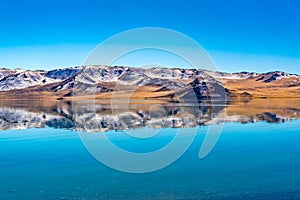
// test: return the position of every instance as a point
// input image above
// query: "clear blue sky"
(239, 35)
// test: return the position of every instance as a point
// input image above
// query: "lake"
(53, 150)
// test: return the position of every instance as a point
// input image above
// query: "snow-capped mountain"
(104, 79)
(20, 79)
(152, 83)
(274, 76)
(265, 77)
(238, 75)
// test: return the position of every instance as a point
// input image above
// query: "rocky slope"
(106, 82)
(251, 84)
(20, 79)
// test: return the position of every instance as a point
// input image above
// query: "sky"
(238, 35)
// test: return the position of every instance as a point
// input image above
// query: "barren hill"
(104, 82)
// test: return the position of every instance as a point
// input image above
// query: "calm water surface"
(258, 160)
(249, 161)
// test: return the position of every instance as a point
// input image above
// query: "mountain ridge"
(153, 83)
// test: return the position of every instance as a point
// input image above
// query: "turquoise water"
(257, 160)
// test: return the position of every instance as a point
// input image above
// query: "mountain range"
(117, 82)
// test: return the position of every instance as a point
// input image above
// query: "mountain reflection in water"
(102, 116)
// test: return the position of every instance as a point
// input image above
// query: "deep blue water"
(250, 161)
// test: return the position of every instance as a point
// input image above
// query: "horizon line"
(125, 66)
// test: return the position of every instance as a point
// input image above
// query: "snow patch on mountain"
(19, 79)
(274, 76)
(238, 75)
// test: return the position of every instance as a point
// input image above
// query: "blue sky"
(239, 35)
